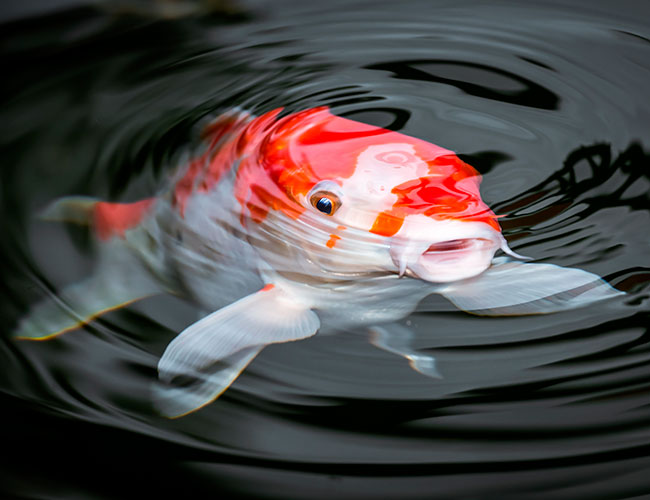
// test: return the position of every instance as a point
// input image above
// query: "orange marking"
(450, 191)
(268, 287)
(387, 224)
(114, 219)
(332, 241)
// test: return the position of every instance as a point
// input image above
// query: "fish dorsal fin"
(519, 288)
(107, 219)
(214, 350)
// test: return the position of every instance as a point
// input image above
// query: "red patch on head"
(450, 191)
(283, 160)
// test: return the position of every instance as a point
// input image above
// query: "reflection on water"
(550, 108)
(477, 80)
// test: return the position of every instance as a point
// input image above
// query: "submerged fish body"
(257, 196)
(287, 225)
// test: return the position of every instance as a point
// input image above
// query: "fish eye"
(324, 205)
(325, 202)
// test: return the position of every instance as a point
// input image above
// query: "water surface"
(549, 100)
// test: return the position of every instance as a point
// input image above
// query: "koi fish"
(285, 226)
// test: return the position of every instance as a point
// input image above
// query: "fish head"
(385, 199)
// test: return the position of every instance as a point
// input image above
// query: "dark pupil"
(324, 205)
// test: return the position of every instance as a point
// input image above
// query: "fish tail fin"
(118, 281)
(73, 209)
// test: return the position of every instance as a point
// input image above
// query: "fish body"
(287, 225)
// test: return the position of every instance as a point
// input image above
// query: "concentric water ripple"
(547, 100)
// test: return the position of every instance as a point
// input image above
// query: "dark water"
(549, 100)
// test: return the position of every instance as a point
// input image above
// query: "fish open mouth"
(466, 251)
(457, 245)
(454, 259)
(447, 260)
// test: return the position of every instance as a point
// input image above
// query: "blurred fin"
(177, 401)
(265, 317)
(118, 281)
(518, 288)
(397, 339)
(75, 209)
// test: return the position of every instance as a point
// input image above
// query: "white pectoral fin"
(213, 351)
(519, 288)
(175, 401)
